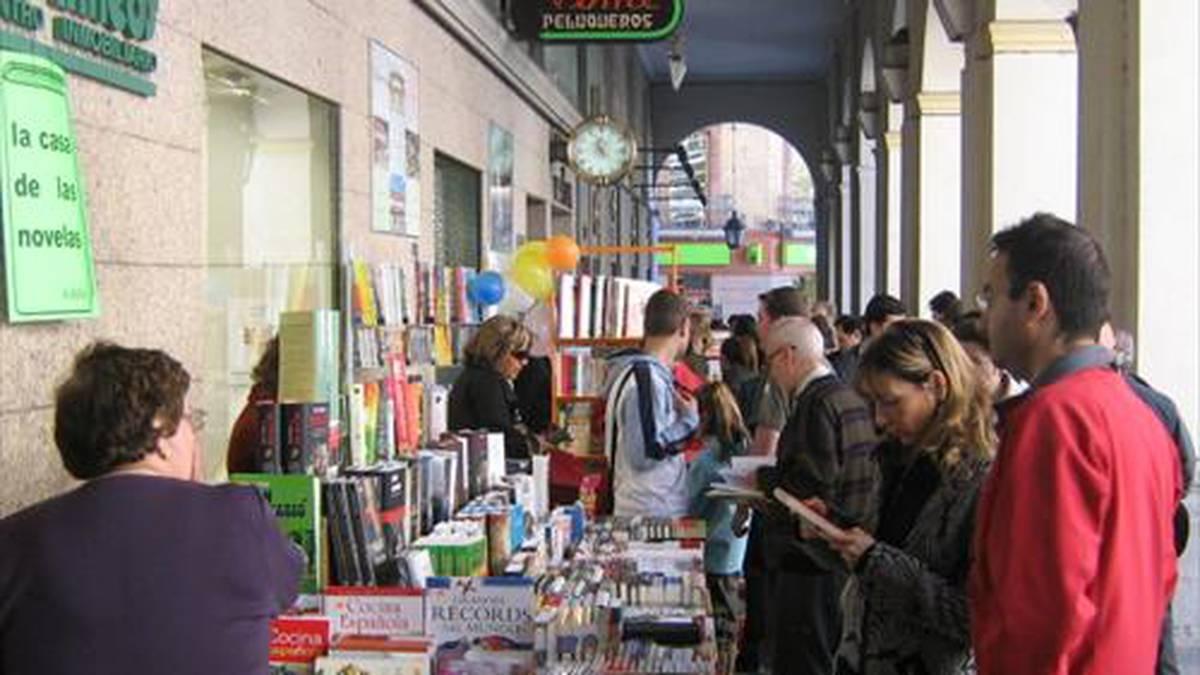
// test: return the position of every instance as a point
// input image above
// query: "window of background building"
(457, 212)
(272, 226)
(562, 63)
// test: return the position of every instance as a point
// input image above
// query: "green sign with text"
(100, 39)
(596, 20)
(48, 268)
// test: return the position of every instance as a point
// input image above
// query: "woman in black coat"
(483, 397)
(905, 607)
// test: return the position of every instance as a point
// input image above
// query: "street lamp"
(735, 230)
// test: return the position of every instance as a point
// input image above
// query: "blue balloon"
(487, 288)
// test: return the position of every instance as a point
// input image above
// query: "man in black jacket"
(826, 451)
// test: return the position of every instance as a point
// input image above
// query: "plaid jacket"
(826, 450)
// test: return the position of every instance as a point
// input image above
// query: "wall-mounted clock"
(601, 150)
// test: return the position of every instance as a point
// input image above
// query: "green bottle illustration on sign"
(49, 273)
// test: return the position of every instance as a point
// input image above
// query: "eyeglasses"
(197, 417)
(771, 357)
(983, 299)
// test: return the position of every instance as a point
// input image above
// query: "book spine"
(269, 437)
(340, 568)
(348, 541)
(355, 520)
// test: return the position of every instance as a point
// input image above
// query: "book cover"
(471, 619)
(341, 565)
(297, 642)
(358, 425)
(376, 612)
(308, 356)
(269, 451)
(371, 422)
(368, 539)
(477, 449)
(296, 501)
(373, 664)
(495, 459)
(365, 305)
(397, 381)
(393, 487)
(599, 298)
(566, 306)
(413, 655)
(305, 437)
(451, 481)
(348, 535)
(437, 411)
(385, 428)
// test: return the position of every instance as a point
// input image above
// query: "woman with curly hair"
(140, 569)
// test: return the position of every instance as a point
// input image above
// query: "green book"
(296, 500)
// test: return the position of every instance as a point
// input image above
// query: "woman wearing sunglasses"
(483, 397)
(905, 607)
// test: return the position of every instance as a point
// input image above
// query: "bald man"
(826, 451)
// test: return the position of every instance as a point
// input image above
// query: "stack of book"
(457, 549)
(602, 306)
(354, 655)
(582, 374)
(301, 433)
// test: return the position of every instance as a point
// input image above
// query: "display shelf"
(578, 398)
(599, 342)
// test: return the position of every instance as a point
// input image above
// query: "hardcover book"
(296, 501)
(297, 642)
(477, 623)
(305, 437)
(269, 453)
(376, 612)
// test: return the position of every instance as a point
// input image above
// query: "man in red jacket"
(1074, 553)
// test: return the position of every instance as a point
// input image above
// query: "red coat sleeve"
(1041, 544)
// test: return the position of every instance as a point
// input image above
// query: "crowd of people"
(1004, 493)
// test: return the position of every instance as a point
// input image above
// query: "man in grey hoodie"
(648, 419)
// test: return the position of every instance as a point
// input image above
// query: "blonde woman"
(906, 607)
(483, 397)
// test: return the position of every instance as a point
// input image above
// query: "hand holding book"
(851, 544)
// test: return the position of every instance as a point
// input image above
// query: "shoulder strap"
(611, 407)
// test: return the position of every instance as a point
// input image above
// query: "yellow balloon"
(535, 279)
(531, 253)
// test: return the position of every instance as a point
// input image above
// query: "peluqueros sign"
(597, 20)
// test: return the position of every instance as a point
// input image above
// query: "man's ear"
(1036, 301)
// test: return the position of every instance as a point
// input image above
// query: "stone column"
(1139, 171)
(1020, 92)
(931, 230)
(848, 249)
(893, 150)
(868, 236)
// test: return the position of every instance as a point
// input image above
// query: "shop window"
(456, 212)
(272, 228)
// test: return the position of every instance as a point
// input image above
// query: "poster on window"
(500, 188)
(395, 145)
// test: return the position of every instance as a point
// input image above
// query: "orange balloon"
(562, 252)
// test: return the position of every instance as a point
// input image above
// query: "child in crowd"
(724, 435)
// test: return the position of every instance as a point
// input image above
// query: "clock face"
(601, 151)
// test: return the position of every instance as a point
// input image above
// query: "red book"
(299, 639)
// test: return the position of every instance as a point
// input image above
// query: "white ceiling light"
(676, 63)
